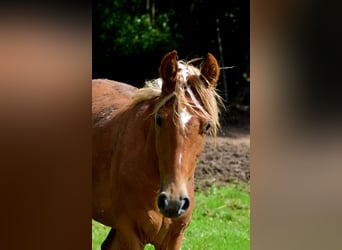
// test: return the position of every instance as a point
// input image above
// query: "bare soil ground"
(227, 160)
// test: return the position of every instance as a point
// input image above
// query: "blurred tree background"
(130, 37)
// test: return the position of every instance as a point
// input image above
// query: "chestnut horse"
(145, 146)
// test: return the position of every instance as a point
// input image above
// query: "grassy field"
(221, 220)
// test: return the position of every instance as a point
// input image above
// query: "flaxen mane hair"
(183, 93)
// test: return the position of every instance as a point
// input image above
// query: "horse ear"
(211, 70)
(168, 71)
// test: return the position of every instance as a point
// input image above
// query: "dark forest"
(130, 38)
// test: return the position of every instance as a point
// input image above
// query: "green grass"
(99, 233)
(221, 220)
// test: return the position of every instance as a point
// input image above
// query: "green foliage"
(134, 29)
(221, 220)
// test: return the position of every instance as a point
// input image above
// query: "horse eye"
(158, 120)
(207, 126)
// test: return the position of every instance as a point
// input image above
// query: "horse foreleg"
(171, 243)
(119, 239)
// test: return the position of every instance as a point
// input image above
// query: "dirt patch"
(226, 162)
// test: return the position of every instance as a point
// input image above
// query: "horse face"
(178, 145)
(180, 136)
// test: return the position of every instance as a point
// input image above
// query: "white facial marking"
(184, 117)
(180, 159)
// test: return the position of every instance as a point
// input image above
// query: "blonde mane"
(208, 95)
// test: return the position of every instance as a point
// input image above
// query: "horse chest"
(158, 229)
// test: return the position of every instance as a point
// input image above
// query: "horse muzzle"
(172, 208)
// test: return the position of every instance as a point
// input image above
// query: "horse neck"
(139, 120)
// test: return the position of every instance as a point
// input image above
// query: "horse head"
(185, 112)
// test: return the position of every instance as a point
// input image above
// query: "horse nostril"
(185, 204)
(162, 201)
